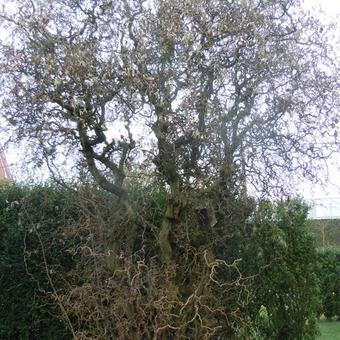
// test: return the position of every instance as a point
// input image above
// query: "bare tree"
(239, 89)
(208, 93)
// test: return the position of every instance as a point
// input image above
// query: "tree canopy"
(203, 92)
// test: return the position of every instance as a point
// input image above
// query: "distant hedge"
(30, 218)
(327, 232)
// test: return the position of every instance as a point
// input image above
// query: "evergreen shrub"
(30, 219)
(329, 276)
(279, 252)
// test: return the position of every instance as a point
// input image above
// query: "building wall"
(4, 169)
(324, 208)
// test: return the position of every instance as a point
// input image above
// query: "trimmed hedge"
(31, 218)
(279, 252)
(329, 276)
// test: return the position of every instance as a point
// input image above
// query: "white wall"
(324, 208)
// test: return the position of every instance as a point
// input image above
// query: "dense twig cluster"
(117, 292)
(106, 282)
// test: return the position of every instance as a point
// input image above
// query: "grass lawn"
(330, 330)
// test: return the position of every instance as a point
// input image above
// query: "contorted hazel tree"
(215, 91)
(209, 94)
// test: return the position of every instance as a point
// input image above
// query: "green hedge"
(31, 218)
(288, 286)
(278, 254)
(329, 276)
(327, 232)
(278, 293)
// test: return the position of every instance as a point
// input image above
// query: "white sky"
(327, 10)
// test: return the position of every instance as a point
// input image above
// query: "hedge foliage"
(30, 217)
(286, 292)
(329, 276)
(61, 278)
(327, 232)
(279, 252)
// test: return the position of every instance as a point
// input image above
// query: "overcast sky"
(330, 7)
(328, 10)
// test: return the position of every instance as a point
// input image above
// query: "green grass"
(330, 330)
